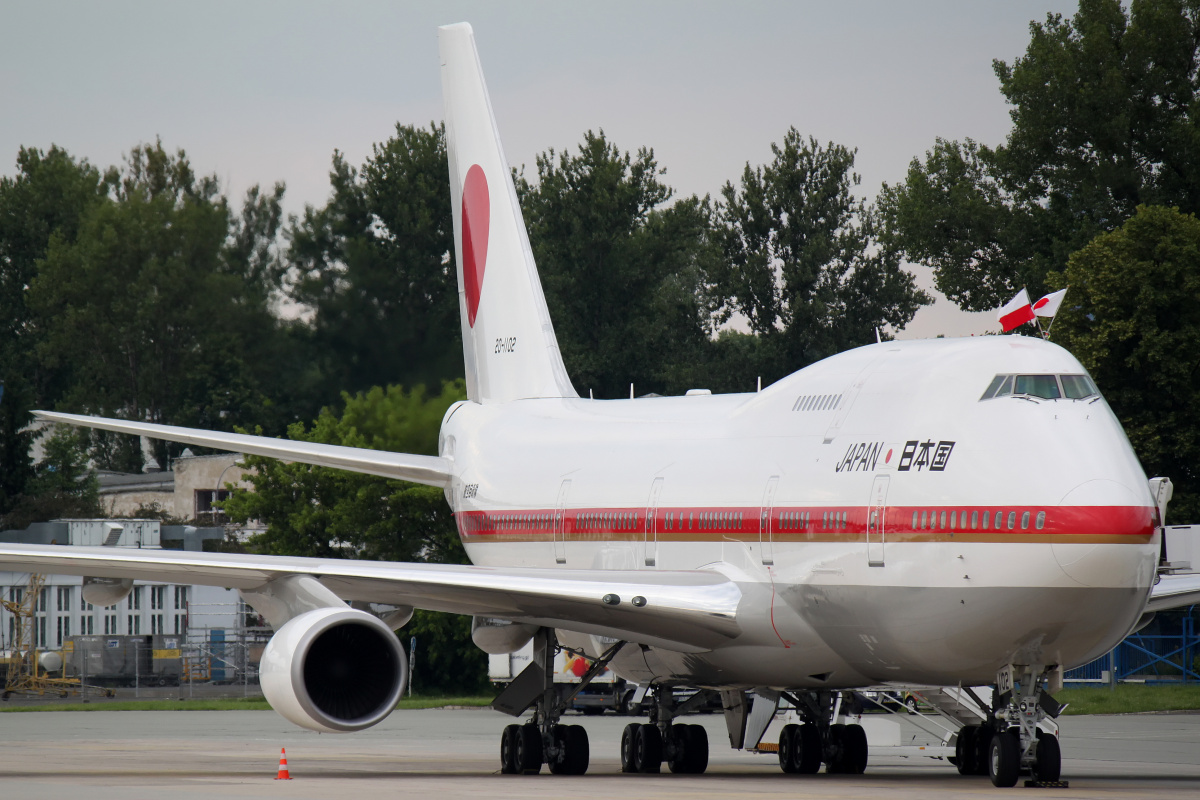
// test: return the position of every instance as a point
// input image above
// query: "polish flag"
(1048, 305)
(1016, 312)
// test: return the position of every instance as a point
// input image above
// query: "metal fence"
(159, 666)
(1167, 650)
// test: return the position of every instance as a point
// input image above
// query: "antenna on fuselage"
(877, 339)
(631, 391)
(760, 383)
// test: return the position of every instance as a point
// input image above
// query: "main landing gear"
(803, 748)
(543, 740)
(684, 748)
(565, 749)
(1015, 740)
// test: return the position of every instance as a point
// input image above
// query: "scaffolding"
(25, 673)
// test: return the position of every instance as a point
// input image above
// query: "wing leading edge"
(689, 611)
(429, 470)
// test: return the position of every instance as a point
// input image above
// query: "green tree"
(159, 307)
(318, 511)
(62, 484)
(1105, 110)
(803, 262)
(1132, 316)
(375, 265)
(45, 198)
(621, 268)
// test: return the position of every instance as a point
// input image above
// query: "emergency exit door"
(766, 528)
(876, 521)
(560, 523)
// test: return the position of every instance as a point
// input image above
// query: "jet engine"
(334, 670)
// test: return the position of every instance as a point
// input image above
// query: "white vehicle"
(939, 512)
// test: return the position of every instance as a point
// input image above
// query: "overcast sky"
(258, 92)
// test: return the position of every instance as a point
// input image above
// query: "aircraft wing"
(1174, 591)
(689, 611)
(429, 470)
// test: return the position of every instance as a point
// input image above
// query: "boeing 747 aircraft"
(941, 512)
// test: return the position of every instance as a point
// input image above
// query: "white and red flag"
(1048, 305)
(1016, 312)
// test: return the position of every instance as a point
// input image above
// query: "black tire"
(647, 749)
(965, 754)
(911, 704)
(983, 748)
(699, 755)
(1049, 758)
(806, 747)
(508, 750)
(854, 750)
(1004, 759)
(681, 745)
(529, 750)
(787, 750)
(578, 750)
(835, 760)
(628, 740)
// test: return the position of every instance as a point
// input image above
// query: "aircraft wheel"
(983, 748)
(806, 750)
(1049, 758)
(508, 750)
(1004, 759)
(628, 740)
(835, 761)
(574, 750)
(964, 750)
(854, 750)
(699, 745)
(529, 750)
(647, 749)
(787, 750)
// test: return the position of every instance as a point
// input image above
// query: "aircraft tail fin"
(509, 345)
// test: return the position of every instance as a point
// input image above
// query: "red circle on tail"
(476, 217)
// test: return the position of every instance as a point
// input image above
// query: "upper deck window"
(1046, 387)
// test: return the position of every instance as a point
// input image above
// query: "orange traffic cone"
(283, 770)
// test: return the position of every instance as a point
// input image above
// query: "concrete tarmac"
(105, 755)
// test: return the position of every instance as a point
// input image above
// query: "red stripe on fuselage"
(830, 523)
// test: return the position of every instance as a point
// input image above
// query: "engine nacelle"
(500, 636)
(334, 670)
(105, 592)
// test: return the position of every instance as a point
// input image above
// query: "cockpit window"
(1077, 387)
(1046, 387)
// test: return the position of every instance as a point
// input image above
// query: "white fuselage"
(883, 522)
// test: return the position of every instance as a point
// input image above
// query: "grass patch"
(256, 703)
(1130, 698)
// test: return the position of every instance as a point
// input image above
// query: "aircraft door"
(560, 523)
(766, 534)
(876, 517)
(650, 545)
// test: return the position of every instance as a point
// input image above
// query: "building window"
(64, 598)
(89, 623)
(180, 597)
(205, 498)
(158, 598)
(180, 624)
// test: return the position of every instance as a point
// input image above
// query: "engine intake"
(334, 670)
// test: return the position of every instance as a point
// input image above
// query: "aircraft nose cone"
(1105, 545)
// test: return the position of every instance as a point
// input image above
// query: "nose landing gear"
(1021, 741)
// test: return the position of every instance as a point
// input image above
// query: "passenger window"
(1012, 520)
(943, 525)
(1025, 521)
(986, 516)
(924, 519)
(974, 520)
(953, 520)
(914, 525)
(1041, 520)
